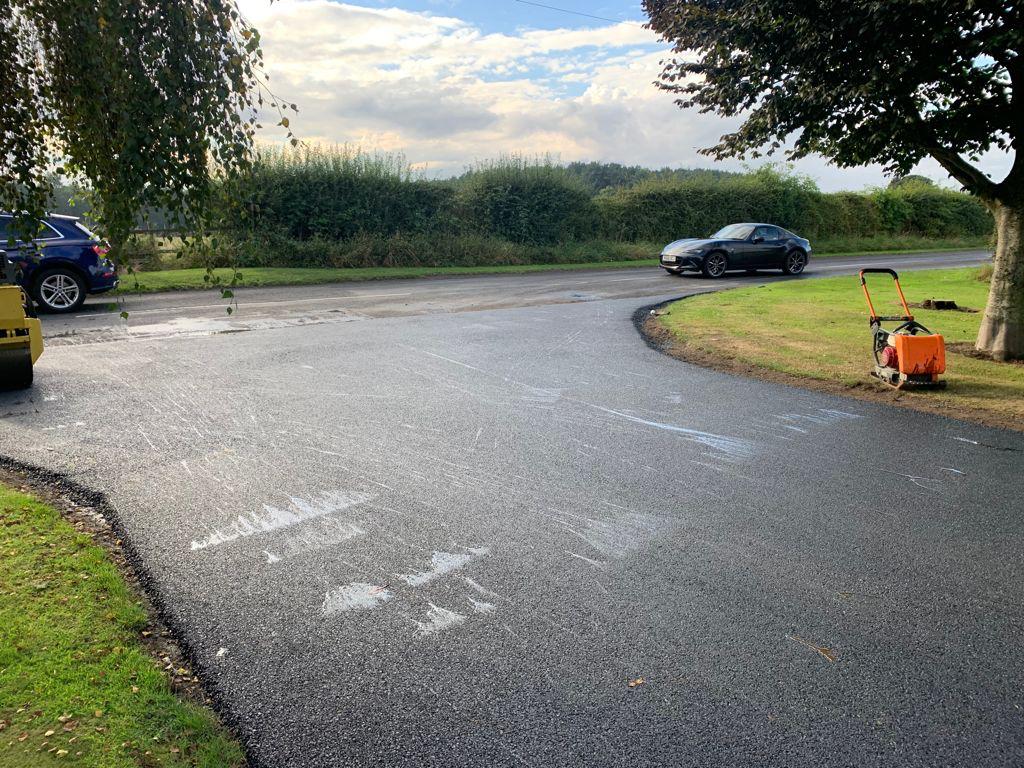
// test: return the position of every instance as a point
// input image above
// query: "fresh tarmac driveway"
(457, 538)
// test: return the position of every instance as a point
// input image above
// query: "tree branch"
(973, 180)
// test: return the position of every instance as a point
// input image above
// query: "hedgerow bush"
(526, 202)
(936, 212)
(418, 250)
(341, 207)
(338, 193)
(670, 209)
(662, 210)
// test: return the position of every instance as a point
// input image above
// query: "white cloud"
(447, 94)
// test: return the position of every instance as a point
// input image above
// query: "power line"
(577, 13)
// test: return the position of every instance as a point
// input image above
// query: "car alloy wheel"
(795, 262)
(715, 264)
(60, 291)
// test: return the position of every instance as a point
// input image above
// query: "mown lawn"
(77, 686)
(818, 329)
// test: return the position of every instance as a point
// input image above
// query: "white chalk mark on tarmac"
(921, 482)
(274, 518)
(479, 606)
(147, 438)
(732, 446)
(454, 362)
(438, 620)
(840, 415)
(354, 597)
(614, 537)
(442, 563)
(820, 417)
(480, 588)
(595, 563)
(325, 533)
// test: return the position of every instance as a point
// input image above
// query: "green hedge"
(337, 194)
(424, 250)
(338, 207)
(526, 203)
(659, 210)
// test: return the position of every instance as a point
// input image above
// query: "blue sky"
(449, 83)
(509, 15)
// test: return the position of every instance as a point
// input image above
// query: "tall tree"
(869, 81)
(145, 102)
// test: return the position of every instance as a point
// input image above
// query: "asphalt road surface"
(420, 530)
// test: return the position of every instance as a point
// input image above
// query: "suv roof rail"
(66, 216)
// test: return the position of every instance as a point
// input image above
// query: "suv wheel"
(60, 290)
(715, 264)
(795, 262)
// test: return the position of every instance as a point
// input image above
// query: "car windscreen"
(733, 232)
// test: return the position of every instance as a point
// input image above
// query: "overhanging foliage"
(143, 100)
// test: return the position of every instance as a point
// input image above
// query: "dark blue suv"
(65, 263)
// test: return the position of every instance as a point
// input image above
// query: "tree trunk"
(1002, 327)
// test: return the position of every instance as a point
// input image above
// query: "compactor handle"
(875, 317)
(878, 271)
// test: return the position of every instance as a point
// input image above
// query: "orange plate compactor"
(909, 355)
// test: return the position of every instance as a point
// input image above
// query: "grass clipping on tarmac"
(78, 685)
(815, 333)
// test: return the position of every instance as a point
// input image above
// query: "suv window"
(48, 232)
(8, 233)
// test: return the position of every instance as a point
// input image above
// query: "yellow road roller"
(21, 338)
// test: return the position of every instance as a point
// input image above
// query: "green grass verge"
(818, 329)
(76, 684)
(859, 246)
(187, 279)
(195, 278)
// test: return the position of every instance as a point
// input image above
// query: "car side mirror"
(757, 239)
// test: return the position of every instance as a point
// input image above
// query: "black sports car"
(738, 246)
